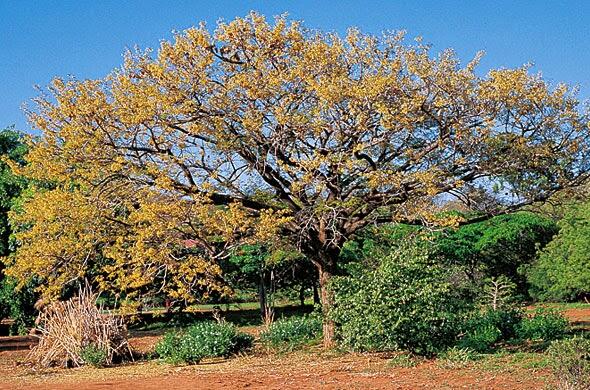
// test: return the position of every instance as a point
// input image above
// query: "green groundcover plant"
(290, 333)
(203, 340)
(571, 363)
(546, 325)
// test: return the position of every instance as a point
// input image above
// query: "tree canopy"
(501, 246)
(261, 128)
(13, 149)
(562, 271)
(17, 305)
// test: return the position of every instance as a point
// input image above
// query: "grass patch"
(457, 358)
(242, 317)
(404, 360)
(562, 305)
(503, 360)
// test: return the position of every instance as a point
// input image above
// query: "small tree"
(498, 292)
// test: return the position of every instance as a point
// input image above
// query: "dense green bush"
(505, 320)
(482, 338)
(544, 325)
(202, 340)
(484, 329)
(94, 355)
(405, 303)
(570, 360)
(293, 332)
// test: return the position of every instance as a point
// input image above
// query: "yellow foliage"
(260, 129)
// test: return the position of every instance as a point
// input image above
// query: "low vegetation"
(571, 363)
(456, 357)
(291, 333)
(205, 339)
(542, 325)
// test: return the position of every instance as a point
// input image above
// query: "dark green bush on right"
(405, 303)
(287, 334)
(484, 329)
(202, 340)
(481, 339)
(544, 325)
(571, 363)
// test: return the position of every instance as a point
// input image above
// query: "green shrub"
(289, 333)
(481, 339)
(570, 360)
(406, 303)
(94, 355)
(202, 340)
(404, 360)
(544, 325)
(456, 357)
(484, 329)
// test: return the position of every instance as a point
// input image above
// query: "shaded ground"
(302, 370)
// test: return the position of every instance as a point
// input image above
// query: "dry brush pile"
(72, 331)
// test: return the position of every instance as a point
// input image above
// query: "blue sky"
(43, 38)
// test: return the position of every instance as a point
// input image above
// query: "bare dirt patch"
(301, 370)
(580, 315)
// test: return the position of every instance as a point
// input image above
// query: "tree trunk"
(302, 295)
(262, 296)
(327, 298)
(316, 294)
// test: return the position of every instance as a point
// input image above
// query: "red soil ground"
(295, 371)
(301, 370)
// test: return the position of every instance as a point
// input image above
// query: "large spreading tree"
(302, 134)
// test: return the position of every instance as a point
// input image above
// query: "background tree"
(14, 149)
(344, 132)
(18, 305)
(268, 270)
(562, 271)
(502, 246)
